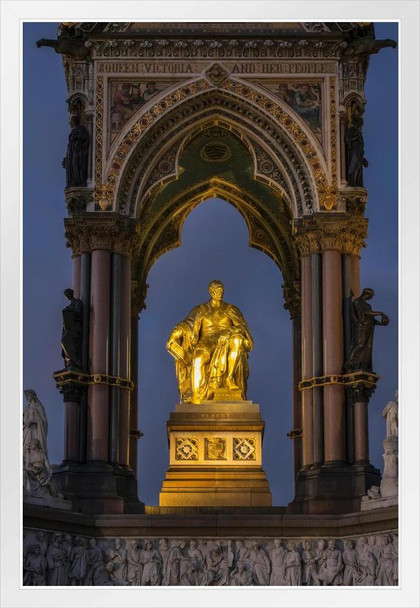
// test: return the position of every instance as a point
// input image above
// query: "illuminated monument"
(269, 117)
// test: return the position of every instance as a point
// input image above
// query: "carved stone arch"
(187, 100)
(268, 232)
(165, 165)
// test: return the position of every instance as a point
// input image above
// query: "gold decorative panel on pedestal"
(215, 456)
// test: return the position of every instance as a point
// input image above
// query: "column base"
(333, 488)
(96, 487)
(215, 457)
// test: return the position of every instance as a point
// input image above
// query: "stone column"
(71, 398)
(334, 411)
(297, 395)
(76, 275)
(361, 435)
(307, 362)
(85, 269)
(317, 356)
(125, 364)
(98, 394)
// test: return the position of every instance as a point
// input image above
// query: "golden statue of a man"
(210, 348)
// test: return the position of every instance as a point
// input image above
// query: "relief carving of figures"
(277, 555)
(117, 556)
(330, 571)
(210, 348)
(92, 562)
(292, 565)
(164, 552)
(71, 339)
(363, 325)
(151, 565)
(352, 571)
(241, 576)
(133, 563)
(35, 567)
(309, 559)
(386, 566)
(177, 563)
(56, 559)
(368, 563)
(95, 573)
(261, 566)
(217, 568)
(76, 160)
(78, 562)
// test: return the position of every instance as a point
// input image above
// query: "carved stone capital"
(354, 200)
(138, 297)
(292, 298)
(342, 232)
(77, 200)
(92, 231)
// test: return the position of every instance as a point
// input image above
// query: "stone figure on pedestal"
(71, 340)
(211, 348)
(76, 160)
(363, 325)
(355, 147)
(390, 413)
(151, 565)
(133, 563)
(78, 562)
(37, 474)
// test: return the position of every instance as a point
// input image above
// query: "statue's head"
(216, 290)
(331, 544)
(368, 293)
(349, 544)
(69, 293)
(306, 545)
(30, 394)
(277, 543)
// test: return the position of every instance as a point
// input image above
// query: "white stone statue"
(390, 413)
(37, 474)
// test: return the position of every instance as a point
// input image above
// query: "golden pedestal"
(215, 456)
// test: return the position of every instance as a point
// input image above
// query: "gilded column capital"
(342, 232)
(92, 231)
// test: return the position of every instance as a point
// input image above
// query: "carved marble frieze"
(57, 559)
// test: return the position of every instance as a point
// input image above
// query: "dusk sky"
(214, 246)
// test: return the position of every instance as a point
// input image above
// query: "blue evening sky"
(214, 245)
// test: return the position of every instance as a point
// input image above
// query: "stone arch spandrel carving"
(187, 99)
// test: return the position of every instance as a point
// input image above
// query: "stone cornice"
(91, 231)
(342, 232)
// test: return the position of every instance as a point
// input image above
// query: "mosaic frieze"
(305, 98)
(58, 559)
(128, 96)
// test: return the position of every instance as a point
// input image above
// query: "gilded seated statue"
(211, 348)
